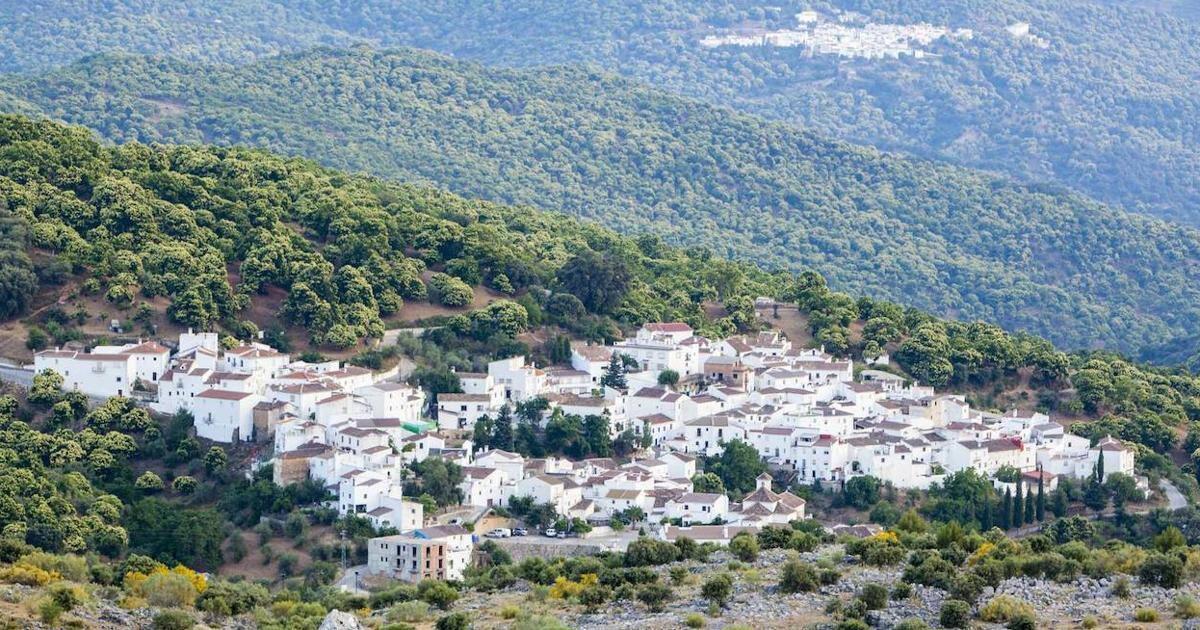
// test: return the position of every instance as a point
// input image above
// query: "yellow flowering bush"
(179, 586)
(28, 575)
(567, 589)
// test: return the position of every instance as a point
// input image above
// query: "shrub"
(1186, 607)
(1145, 615)
(27, 574)
(1120, 588)
(397, 593)
(679, 574)
(1090, 621)
(173, 620)
(1003, 608)
(881, 549)
(911, 624)
(797, 577)
(1162, 570)
(414, 611)
(69, 566)
(744, 547)
(875, 596)
(694, 620)
(593, 596)
(901, 591)
(49, 611)
(955, 614)
(67, 595)
(646, 551)
(654, 596)
(1022, 621)
(437, 593)
(454, 621)
(829, 576)
(718, 589)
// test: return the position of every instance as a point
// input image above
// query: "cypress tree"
(1006, 510)
(1100, 468)
(1041, 497)
(1018, 515)
(985, 518)
(1029, 509)
(1059, 508)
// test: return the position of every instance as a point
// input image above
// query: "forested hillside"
(955, 242)
(211, 230)
(1108, 106)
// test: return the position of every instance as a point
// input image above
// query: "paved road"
(349, 580)
(1175, 498)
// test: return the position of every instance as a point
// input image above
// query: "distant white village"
(846, 34)
(807, 414)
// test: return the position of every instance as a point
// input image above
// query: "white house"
(224, 416)
(591, 359)
(393, 400)
(557, 490)
(95, 374)
(698, 507)
(484, 487)
(462, 411)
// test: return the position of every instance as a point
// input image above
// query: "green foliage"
(738, 466)
(655, 596)
(717, 589)
(744, 547)
(766, 195)
(955, 613)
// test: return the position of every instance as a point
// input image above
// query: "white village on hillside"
(846, 34)
(809, 416)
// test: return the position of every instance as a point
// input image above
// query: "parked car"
(456, 521)
(499, 532)
(550, 532)
(520, 531)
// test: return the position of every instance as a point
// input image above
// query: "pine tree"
(614, 374)
(1018, 514)
(502, 430)
(1040, 511)
(1006, 510)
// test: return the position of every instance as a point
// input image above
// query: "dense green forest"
(1107, 107)
(213, 229)
(951, 241)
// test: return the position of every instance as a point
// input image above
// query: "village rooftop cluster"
(806, 413)
(847, 34)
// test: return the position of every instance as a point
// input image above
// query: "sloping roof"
(222, 394)
(668, 327)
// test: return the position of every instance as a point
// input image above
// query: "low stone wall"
(530, 547)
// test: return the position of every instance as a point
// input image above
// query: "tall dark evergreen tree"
(1006, 510)
(1041, 497)
(1029, 508)
(1099, 468)
(985, 515)
(614, 374)
(1018, 513)
(1059, 506)
(502, 430)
